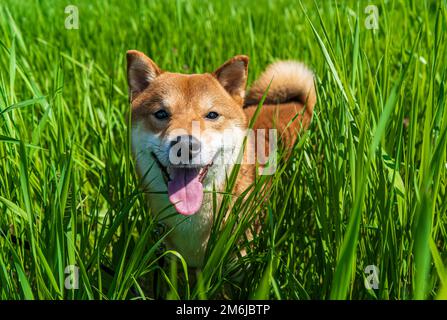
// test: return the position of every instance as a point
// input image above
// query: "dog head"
(190, 127)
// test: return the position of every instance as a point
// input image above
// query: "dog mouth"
(185, 186)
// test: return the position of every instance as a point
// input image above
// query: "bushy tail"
(291, 81)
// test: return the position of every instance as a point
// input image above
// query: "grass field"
(366, 184)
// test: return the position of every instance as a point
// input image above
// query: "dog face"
(191, 127)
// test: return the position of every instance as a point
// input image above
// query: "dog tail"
(290, 81)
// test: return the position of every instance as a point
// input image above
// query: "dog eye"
(212, 115)
(161, 115)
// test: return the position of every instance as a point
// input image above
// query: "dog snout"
(186, 147)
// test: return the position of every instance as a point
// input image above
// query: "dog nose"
(186, 143)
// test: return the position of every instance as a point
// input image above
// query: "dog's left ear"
(141, 71)
(232, 75)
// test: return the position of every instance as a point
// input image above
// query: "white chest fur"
(189, 234)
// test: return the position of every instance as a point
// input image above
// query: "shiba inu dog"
(188, 131)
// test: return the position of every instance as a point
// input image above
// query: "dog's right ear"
(141, 71)
(232, 75)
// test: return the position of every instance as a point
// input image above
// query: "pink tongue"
(185, 190)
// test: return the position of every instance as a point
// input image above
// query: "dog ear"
(141, 71)
(232, 75)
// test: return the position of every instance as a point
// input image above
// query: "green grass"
(366, 184)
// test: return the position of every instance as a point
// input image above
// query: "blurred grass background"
(366, 185)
